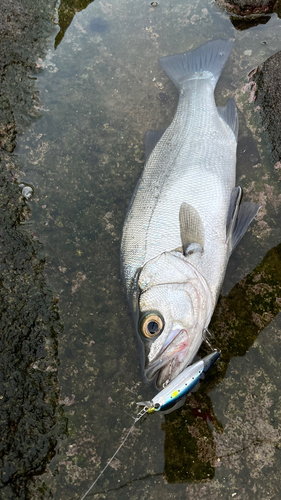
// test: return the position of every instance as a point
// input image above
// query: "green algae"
(66, 12)
(238, 320)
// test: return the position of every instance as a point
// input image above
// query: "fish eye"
(152, 324)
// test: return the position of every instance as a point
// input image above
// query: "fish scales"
(184, 168)
(183, 220)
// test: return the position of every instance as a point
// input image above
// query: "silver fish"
(185, 217)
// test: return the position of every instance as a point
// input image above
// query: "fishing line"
(138, 417)
(170, 398)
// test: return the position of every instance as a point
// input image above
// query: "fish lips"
(171, 359)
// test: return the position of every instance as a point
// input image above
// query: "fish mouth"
(171, 360)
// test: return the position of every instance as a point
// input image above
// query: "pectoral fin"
(240, 216)
(191, 229)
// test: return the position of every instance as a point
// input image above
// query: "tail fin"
(210, 57)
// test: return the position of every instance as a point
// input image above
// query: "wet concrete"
(268, 81)
(189, 442)
(32, 420)
(99, 92)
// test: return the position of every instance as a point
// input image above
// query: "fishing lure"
(181, 385)
(168, 398)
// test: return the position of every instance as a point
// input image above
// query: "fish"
(185, 217)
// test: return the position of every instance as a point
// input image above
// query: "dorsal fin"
(229, 114)
(191, 229)
(150, 140)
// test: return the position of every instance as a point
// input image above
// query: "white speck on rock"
(27, 192)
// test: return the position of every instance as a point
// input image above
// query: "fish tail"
(205, 61)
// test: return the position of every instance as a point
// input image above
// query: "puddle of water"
(101, 89)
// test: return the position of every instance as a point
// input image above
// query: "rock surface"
(268, 81)
(250, 7)
(89, 162)
(191, 447)
(30, 415)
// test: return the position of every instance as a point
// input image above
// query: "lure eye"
(151, 325)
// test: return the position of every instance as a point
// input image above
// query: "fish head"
(171, 321)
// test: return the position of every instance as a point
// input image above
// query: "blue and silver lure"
(181, 386)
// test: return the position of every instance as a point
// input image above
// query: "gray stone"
(268, 80)
(249, 7)
(30, 414)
